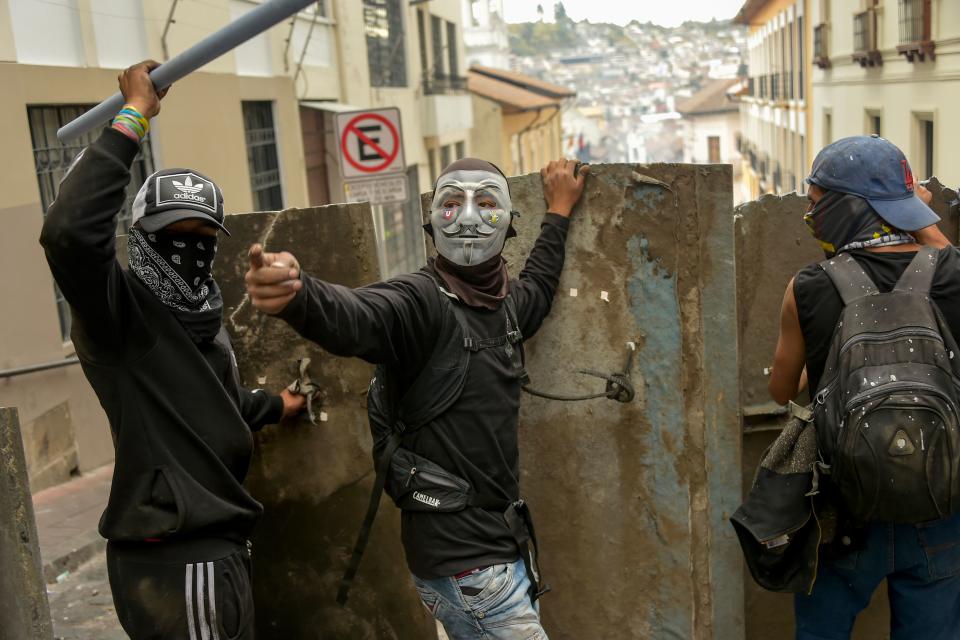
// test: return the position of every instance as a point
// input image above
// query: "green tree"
(560, 13)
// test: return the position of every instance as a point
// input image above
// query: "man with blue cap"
(879, 237)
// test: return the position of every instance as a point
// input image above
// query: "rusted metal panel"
(631, 499)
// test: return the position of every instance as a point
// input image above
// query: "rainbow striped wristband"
(131, 123)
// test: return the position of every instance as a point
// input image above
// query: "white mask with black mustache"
(470, 216)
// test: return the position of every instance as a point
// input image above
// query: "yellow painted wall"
(538, 135)
(486, 138)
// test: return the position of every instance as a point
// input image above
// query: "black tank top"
(819, 304)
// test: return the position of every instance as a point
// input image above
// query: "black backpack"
(886, 410)
(414, 482)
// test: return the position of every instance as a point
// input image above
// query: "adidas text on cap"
(172, 195)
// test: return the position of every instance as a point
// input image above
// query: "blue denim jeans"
(492, 604)
(921, 564)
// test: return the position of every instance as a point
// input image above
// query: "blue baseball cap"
(874, 169)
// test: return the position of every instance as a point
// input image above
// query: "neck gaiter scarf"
(177, 268)
(484, 285)
(842, 222)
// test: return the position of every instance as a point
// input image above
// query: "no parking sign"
(371, 143)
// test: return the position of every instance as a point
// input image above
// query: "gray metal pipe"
(33, 368)
(210, 48)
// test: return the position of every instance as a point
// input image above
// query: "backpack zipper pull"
(413, 472)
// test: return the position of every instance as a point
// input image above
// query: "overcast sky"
(665, 12)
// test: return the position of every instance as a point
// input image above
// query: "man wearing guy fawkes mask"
(151, 343)
(445, 401)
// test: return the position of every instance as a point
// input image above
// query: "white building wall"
(485, 33)
(900, 92)
(47, 33)
(118, 29)
(253, 57)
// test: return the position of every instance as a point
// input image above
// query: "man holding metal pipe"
(151, 343)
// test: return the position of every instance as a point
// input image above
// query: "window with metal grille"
(461, 149)
(914, 21)
(436, 40)
(262, 156)
(422, 38)
(865, 38)
(801, 36)
(453, 62)
(386, 57)
(432, 161)
(52, 159)
(445, 153)
(821, 55)
(916, 41)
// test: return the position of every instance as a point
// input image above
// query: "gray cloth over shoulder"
(776, 525)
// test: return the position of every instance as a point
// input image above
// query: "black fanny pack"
(416, 484)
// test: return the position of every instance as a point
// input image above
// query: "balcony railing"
(821, 53)
(438, 84)
(865, 50)
(915, 41)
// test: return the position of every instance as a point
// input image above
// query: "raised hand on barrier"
(563, 185)
(272, 280)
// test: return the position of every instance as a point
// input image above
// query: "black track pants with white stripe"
(203, 600)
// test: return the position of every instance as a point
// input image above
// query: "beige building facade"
(890, 67)
(258, 120)
(775, 118)
(711, 127)
(518, 119)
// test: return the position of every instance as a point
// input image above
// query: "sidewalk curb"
(71, 561)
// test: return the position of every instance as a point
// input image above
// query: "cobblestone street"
(81, 605)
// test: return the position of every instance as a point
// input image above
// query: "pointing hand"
(272, 280)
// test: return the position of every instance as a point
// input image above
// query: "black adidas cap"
(172, 195)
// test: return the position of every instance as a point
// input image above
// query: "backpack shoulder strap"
(919, 275)
(363, 536)
(851, 281)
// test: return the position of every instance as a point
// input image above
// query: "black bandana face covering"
(842, 222)
(178, 269)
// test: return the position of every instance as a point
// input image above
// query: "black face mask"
(841, 222)
(178, 269)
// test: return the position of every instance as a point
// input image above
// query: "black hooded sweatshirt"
(181, 422)
(396, 323)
